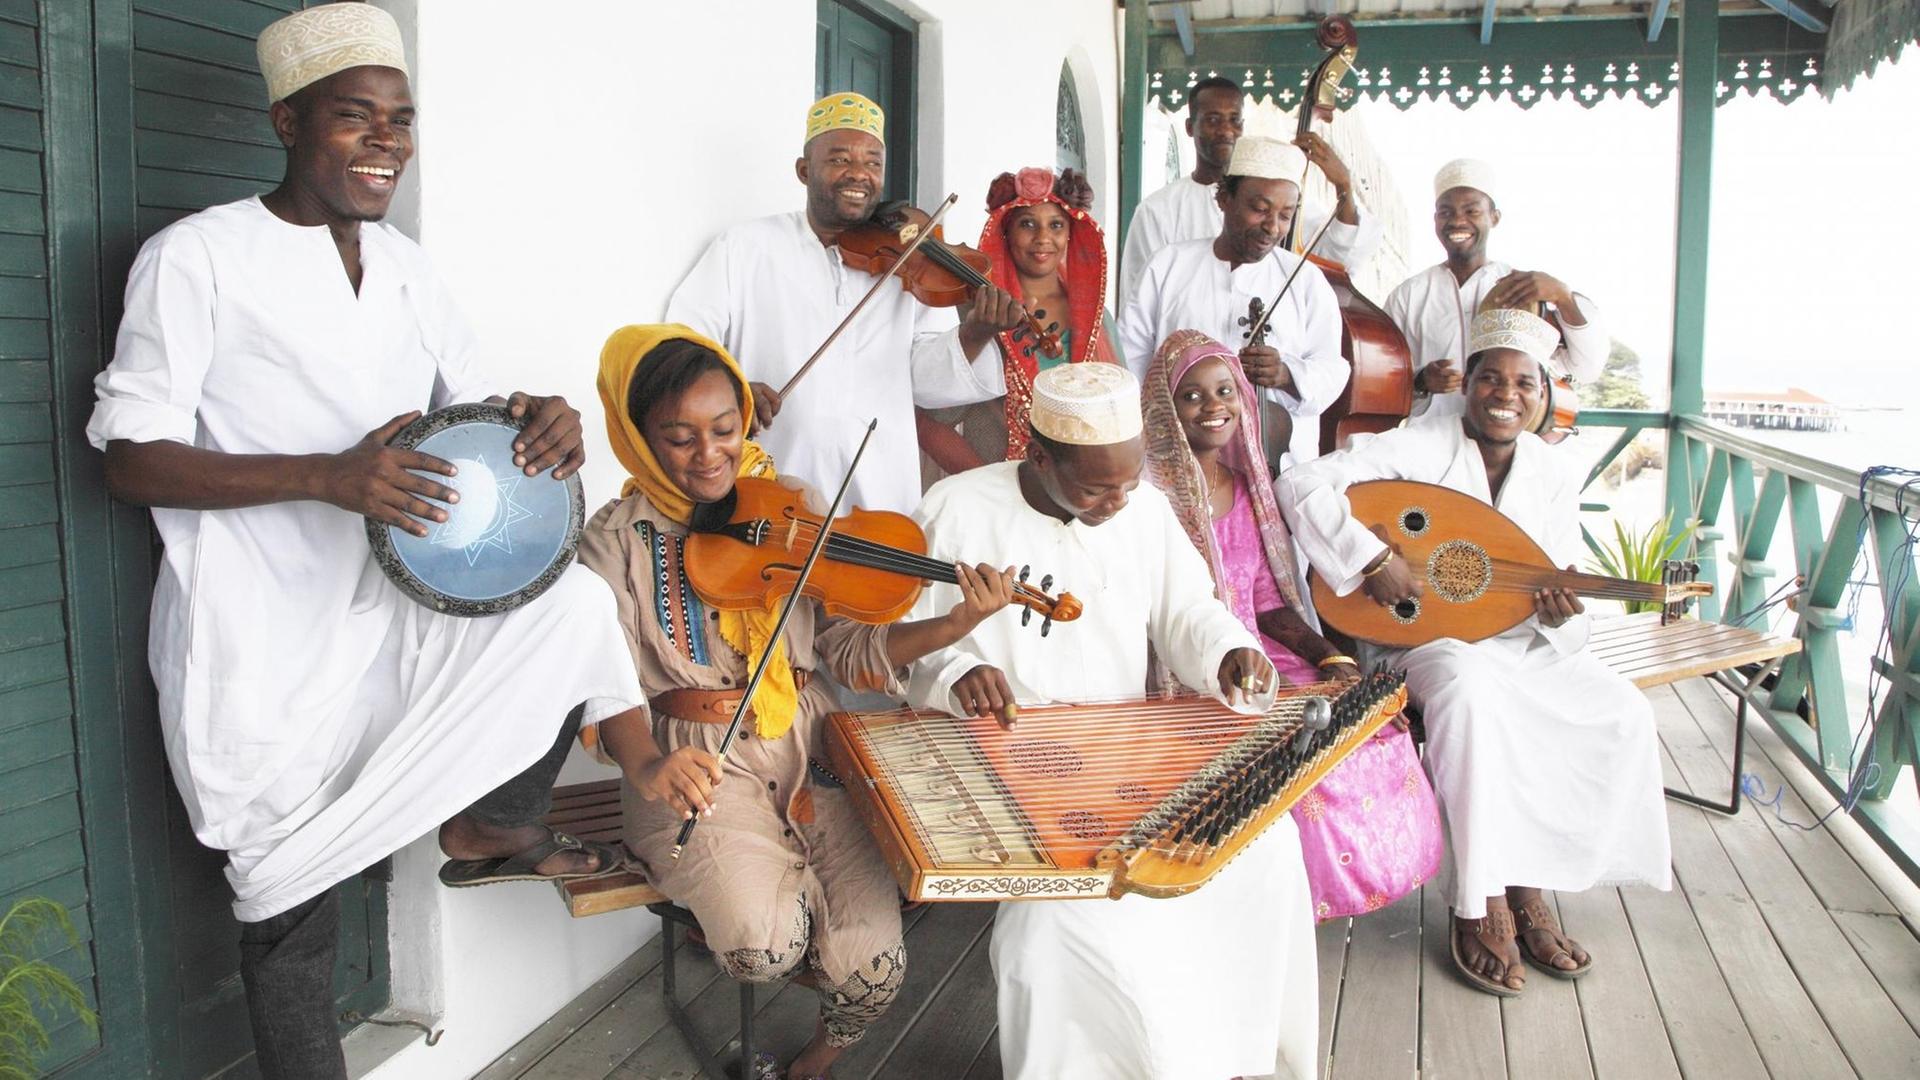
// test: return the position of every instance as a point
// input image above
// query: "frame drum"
(508, 538)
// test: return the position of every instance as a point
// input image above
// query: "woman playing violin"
(1050, 254)
(781, 873)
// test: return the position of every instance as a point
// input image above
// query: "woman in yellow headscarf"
(781, 869)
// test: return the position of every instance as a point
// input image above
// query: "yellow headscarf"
(750, 632)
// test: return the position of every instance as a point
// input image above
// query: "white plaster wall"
(570, 169)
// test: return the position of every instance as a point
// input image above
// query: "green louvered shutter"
(41, 848)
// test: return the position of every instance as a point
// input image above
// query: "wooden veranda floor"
(1776, 955)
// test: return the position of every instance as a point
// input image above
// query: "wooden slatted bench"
(1650, 654)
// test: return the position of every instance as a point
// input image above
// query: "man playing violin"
(1545, 761)
(772, 289)
(1133, 987)
(781, 873)
(1209, 285)
(1434, 307)
(1187, 210)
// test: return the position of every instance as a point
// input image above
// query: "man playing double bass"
(1207, 285)
(1434, 307)
(1545, 761)
(772, 289)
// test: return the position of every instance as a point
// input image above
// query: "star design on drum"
(502, 512)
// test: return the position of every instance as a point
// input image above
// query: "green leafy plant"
(29, 986)
(1641, 556)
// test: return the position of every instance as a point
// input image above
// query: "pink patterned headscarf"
(1173, 468)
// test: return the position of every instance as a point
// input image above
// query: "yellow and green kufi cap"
(846, 110)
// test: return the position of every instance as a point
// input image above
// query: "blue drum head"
(508, 538)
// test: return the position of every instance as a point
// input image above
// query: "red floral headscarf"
(1084, 271)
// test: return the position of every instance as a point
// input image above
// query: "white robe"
(1545, 761)
(1188, 287)
(1433, 311)
(1218, 983)
(1187, 210)
(771, 293)
(315, 718)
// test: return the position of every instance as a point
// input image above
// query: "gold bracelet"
(1382, 566)
(1336, 660)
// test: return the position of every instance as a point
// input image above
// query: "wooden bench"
(1650, 654)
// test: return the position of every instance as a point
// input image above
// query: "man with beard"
(772, 289)
(1434, 307)
(315, 718)
(1186, 209)
(1545, 761)
(1208, 285)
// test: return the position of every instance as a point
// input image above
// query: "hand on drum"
(384, 483)
(551, 439)
(684, 779)
(1245, 674)
(984, 692)
(1556, 606)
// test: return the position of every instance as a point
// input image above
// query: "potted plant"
(31, 988)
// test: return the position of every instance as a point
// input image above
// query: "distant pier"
(1792, 410)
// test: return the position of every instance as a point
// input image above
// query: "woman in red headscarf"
(1051, 255)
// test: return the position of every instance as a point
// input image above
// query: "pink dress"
(1370, 830)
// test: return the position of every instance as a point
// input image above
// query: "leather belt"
(707, 706)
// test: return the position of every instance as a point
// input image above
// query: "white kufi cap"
(307, 46)
(1512, 328)
(1267, 159)
(1466, 173)
(1090, 404)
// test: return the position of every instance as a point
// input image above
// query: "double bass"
(1379, 394)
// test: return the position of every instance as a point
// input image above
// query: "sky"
(1814, 244)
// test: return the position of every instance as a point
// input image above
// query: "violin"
(937, 273)
(1559, 412)
(745, 551)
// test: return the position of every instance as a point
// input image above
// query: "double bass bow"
(1379, 393)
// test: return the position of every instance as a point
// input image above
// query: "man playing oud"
(1545, 761)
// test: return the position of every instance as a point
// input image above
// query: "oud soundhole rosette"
(1414, 521)
(1405, 612)
(1459, 571)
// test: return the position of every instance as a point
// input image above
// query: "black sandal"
(465, 873)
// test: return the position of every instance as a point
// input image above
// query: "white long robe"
(1546, 762)
(770, 292)
(1433, 311)
(1218, 983)
(1186, 210)
(315, 718)
(1188, 287)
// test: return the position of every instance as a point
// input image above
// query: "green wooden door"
(868, 48)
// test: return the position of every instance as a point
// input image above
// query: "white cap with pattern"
(307, 46)
(1087, 404)
(1267, 159)
(1512, 328)
(1466, 173)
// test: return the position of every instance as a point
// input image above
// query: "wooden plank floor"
(1775, 955)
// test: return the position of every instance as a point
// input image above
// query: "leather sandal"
(1501, 923)
(1536, 915)
(466, 873)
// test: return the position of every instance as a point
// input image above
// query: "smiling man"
(1545, 761)
(1433, 308)
(316, 719)
(1208, 285)
(772, 289)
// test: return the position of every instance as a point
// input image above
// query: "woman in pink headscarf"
(1051, 255)
(1370, 830)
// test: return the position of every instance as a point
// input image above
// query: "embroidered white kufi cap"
(1512, 328)
(1087, 404)
(307, 46)
(1267, 159)
(1466, 173)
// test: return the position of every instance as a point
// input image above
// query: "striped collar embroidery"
(681, 614)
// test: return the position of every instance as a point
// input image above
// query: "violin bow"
(932, 223)
(779, 627)
(1260, 327)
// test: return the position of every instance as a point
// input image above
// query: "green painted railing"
(1739, 490)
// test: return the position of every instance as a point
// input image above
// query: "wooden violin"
(1559, 402)
(745, 551)
(1479, 570)
(937, 273)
